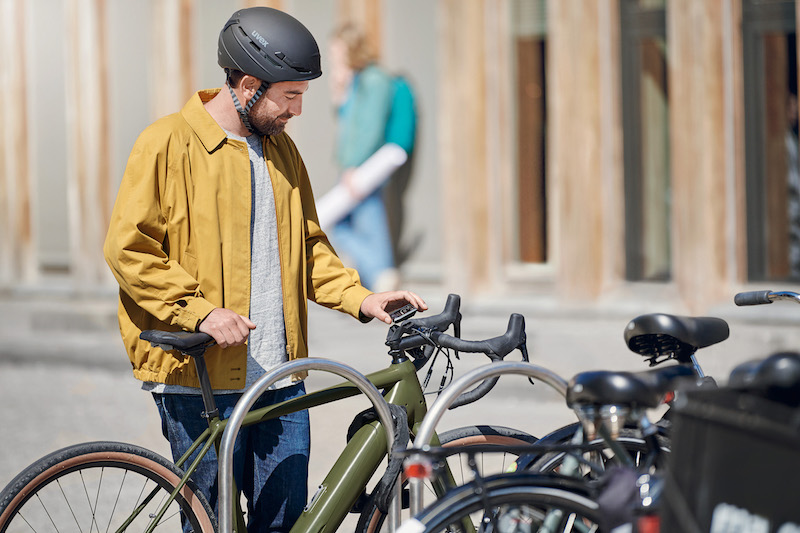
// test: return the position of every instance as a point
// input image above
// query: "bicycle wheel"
(99, 486)
(371, 519)
(511, 503)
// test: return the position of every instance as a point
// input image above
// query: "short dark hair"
(233, 76)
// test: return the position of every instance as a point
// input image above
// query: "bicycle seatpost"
(211, 410)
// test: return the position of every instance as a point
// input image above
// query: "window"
(530, 48)
(771, 145)
(645, 120)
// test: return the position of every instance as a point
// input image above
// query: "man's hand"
(227, 327)
(379, 304)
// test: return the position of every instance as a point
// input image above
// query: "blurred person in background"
(376, 128)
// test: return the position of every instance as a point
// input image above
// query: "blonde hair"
(360, 51)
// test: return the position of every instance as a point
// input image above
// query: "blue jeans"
(363, 236)
(270, 459)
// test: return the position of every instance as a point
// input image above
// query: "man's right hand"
(227, 327)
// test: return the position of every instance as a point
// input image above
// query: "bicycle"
(659, 338)
(546, 502)
(736, 457)
(165, 495)
(598, 398)
(639, 496)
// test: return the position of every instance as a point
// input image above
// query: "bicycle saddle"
(659, 336)
(777, 378)
(192, 343)
(628, 389)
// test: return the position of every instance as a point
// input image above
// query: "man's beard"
(265, 125)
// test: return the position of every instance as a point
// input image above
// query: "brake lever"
(523, 348)
(457, 333)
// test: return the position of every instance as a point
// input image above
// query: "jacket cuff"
(352, 300)
(192, 311)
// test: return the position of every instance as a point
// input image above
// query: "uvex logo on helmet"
(259, 38)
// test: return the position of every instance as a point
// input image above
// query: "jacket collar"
(205, 127)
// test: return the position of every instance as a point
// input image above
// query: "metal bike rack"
(252, 394)
(456, 388)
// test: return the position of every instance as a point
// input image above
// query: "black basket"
(735, 463)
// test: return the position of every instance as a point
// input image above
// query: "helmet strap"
(244, 112)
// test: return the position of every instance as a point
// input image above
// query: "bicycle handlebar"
(449, 316)
(752, 298)
(764, 297)
(495, 349)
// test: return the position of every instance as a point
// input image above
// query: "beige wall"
(111, 67)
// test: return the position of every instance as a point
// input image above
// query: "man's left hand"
(380, 304)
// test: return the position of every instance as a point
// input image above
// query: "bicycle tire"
(371, 519)
(96, 486)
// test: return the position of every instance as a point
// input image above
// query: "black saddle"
(191, 343)
(776, 378)
(659, 336)
(644, 389)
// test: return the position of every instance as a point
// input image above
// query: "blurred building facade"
(581, 147)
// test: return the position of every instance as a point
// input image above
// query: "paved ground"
(65, 379)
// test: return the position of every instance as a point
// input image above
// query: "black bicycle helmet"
(270, 45)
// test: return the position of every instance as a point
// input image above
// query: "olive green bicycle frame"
(358, 461)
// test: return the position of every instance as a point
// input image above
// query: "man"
(215, 230)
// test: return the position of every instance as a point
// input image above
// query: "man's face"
(272, 111)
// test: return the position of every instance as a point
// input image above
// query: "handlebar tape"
(495, 348)
(443, 320)
(752, 298)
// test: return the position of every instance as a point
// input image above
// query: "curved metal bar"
(446, 399)
(252, 394)
(784, 295)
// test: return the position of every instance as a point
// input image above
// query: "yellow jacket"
(179, 243)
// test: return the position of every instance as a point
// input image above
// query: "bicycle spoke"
(69, 506)
(47, 512)
(27, 523)
(116, 501)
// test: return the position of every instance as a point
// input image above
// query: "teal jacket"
(364, 116)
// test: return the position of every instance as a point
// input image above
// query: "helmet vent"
(257, 49)
(294, 66)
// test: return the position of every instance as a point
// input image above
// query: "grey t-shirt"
(266, 346)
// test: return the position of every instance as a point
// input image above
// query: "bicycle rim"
(102, 488)
(512, 504)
